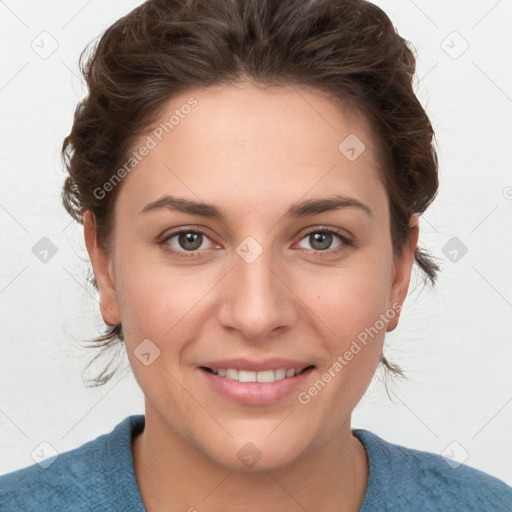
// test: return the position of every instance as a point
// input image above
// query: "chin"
(246, 456)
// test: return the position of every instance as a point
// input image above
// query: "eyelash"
(345, 242)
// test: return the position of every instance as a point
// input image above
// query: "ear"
(402, 267)
(102, 266)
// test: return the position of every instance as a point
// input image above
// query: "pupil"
(324, 240)
(190, 241)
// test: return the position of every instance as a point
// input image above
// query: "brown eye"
(190, 241)
(320, 240)
(186, 243)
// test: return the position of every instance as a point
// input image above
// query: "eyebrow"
(299, 209)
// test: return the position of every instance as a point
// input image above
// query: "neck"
(173, 475)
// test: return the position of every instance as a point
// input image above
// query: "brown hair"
(348, 49)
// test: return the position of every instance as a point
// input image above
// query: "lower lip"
(256, 393)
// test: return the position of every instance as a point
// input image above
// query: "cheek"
(352, 299)
(354, 309)
(156, 329)
(159, 302)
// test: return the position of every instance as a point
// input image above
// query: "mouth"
(265, 385)
(262, 376)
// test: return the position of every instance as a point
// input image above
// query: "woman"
(249, 175)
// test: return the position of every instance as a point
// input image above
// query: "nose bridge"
(257, 300)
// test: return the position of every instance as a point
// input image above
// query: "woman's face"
(284, 262)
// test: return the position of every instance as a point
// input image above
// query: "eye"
(186, 241)
(191, 242)
(321, 240)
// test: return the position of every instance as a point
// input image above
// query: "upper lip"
(257, 366)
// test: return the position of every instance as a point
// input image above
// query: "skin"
(253, 153)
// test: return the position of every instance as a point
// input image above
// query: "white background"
(454, 342)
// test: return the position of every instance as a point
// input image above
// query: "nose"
(256, 299)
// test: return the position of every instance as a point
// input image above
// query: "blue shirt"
(99, 476)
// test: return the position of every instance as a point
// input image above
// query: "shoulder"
(407, 479)
(79, 479)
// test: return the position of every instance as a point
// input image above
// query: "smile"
(264, 384)
(256, 376)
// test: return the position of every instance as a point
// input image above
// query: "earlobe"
(402, 272)
(102, 267)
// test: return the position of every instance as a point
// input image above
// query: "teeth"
(252, 376)
(232, 374)
(265, 376)
(280, 374)
(246, 376)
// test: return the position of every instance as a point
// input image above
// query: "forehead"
(243, 143)
(244, 114)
